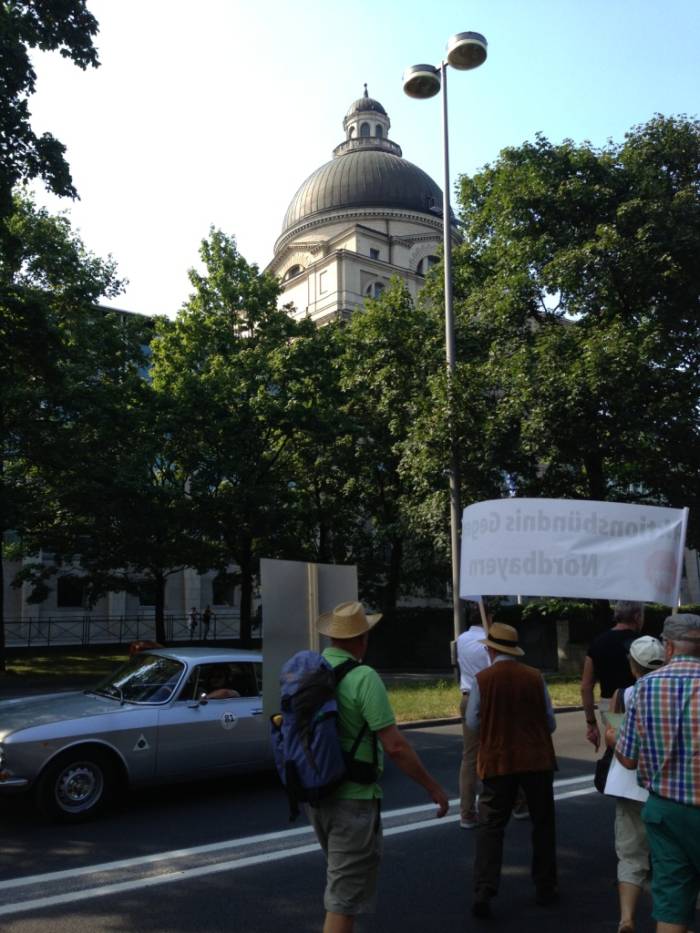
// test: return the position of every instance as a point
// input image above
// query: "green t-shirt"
(362, 697)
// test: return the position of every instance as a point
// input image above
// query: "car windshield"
(146, 678)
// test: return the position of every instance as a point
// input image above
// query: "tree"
(65, 26)
(578, 280)
(390, 351)
(62, 350)
(229, 363)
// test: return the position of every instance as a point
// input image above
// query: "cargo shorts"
(350, 834)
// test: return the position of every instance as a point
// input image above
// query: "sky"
(215, 112)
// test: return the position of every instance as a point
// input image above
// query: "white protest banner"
(574, 548)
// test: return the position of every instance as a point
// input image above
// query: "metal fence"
(85, 630)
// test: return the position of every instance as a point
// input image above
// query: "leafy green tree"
(577, 294)
(229, 362)
(61, 351)
(390, 351)
(65, 26)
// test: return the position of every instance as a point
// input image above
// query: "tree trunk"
(246, 565)
(391, 590)
(3, 663)
(159, 580)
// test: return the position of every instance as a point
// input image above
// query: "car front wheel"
(76, 786)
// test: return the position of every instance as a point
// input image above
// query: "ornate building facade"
(358, 220)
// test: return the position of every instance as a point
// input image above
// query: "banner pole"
(679, 568)
(484, 617)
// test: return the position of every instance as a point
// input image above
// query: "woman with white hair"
(646, 654)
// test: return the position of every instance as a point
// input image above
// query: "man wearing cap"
(660, 737)
(510, 707)
(348, 824)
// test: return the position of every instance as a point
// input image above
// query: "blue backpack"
(304, 734)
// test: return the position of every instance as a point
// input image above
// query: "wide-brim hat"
(347, 620)
(503, 638)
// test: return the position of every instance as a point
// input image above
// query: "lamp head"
(466, 50)
(421, 81)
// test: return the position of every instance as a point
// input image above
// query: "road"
(222, 855)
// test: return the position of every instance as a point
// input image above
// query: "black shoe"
(481, 908)
(546, 896)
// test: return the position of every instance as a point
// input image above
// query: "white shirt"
(472, 656)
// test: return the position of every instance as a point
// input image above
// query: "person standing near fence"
(206, 622)
(192, 622)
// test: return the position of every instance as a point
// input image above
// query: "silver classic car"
(166, 715)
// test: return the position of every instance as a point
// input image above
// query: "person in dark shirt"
(607, 664)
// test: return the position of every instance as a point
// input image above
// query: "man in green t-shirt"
(348, 824)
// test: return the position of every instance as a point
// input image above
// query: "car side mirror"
(201, 700)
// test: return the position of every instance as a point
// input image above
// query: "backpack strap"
(340, 671)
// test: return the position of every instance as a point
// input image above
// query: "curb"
(456, 720)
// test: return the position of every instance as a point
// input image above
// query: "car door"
(224, 733)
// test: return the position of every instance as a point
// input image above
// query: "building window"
(351, 132)
(323, 282)
(292, 272)
(147, 593)
(364, 129)
(374, 289)
(224, 589)
(426, 264)
(378, 132)
(373, 253)
(70, 593)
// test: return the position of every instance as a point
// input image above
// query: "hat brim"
(329, 624)
(516, 650)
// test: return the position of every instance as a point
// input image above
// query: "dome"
(371, 178)
(365, 104)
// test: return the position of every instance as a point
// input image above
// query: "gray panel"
(293, 594)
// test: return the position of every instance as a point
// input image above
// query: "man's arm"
(587, 684)
(402, 753)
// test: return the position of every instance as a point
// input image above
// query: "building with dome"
(358, 220)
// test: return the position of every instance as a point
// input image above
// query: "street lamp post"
(465, 51)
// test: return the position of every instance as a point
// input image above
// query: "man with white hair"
(660, 736)
(606, 664)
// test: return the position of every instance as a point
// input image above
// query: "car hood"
(27, 712)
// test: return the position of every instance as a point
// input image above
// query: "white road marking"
(175, 875)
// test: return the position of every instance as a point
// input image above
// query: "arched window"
(364, 129)
(292, 272)
(351, 132)
(426, 264)
(374, 289)
(378, 132)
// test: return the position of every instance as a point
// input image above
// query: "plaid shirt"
(660, 731)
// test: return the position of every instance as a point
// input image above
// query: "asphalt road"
(220, 856)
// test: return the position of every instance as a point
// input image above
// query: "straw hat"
(347, 620)
(503, 638)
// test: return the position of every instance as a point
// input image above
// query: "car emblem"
(228, 720)
(141, 744)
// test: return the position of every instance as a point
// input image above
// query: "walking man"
(660, 736)
(511, 709)
(472, 657)
(347, 823)
(606, 663)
